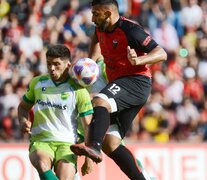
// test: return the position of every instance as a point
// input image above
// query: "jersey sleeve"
(138, 38)
(29, 96)
(84, 105)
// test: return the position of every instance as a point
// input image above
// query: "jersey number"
(114, 89)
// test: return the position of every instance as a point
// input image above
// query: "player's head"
(104, 2)
(104, 13)
(58, 60)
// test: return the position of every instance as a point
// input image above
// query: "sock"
(144, 172)
(127, 163)
(98, 127)
(48, 175)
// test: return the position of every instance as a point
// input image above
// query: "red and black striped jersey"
(114, 48)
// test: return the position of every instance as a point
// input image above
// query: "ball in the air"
(84, 71)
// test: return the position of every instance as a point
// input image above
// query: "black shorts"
(130, 94)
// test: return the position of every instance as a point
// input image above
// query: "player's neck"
(113, 24)
(63, 78)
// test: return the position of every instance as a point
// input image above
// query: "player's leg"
(144, 172)
(135, 97)
(124, 93)
(65, 161)
(41, 157)
(65, 170)
(97, 130)
(123, 99)
(95, 89)
(118, 152)
(122, 157)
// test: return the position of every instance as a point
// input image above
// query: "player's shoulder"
(40, 78)
(81, 90)
(128, 23)
(43, 77)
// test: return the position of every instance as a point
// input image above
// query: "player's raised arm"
(156, 55)
(95, 51)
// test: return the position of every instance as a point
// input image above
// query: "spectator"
(8, 98)
(10, 125)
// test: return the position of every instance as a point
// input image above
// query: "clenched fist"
(132, 57)
(26, 127)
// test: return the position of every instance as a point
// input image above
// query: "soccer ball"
(84, 71)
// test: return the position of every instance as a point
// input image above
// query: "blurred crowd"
(177, 108)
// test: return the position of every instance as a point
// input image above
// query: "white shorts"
(114, 130)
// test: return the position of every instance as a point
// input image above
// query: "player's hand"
(87, 167)
(132, 56)
(26, 127)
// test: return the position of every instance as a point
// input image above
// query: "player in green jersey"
(57, 103)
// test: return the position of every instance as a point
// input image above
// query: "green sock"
(139, 164)
(48, 175)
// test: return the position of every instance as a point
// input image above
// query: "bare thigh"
(41, 160)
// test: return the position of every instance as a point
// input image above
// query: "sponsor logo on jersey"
(64, 96)
(146, 41)
(43, 89)
(50, 104)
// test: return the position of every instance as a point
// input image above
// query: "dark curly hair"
(58, 51)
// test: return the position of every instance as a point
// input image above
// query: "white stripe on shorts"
(111, 101)
(114, 130)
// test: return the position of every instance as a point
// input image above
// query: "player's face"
(57, 68)
(99, 18)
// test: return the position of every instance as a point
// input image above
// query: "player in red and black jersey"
(113, 47)
(127, 50)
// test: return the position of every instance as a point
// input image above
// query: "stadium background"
(169, 134)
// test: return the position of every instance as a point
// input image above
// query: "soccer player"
(57, 102)
(127, 50)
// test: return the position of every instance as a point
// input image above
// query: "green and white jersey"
(56, 108)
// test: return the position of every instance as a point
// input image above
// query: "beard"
(103, 26)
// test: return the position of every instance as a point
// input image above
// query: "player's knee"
(110, 144)
(40, 161)
(65, 170)
(41, 165)
(97, 101)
